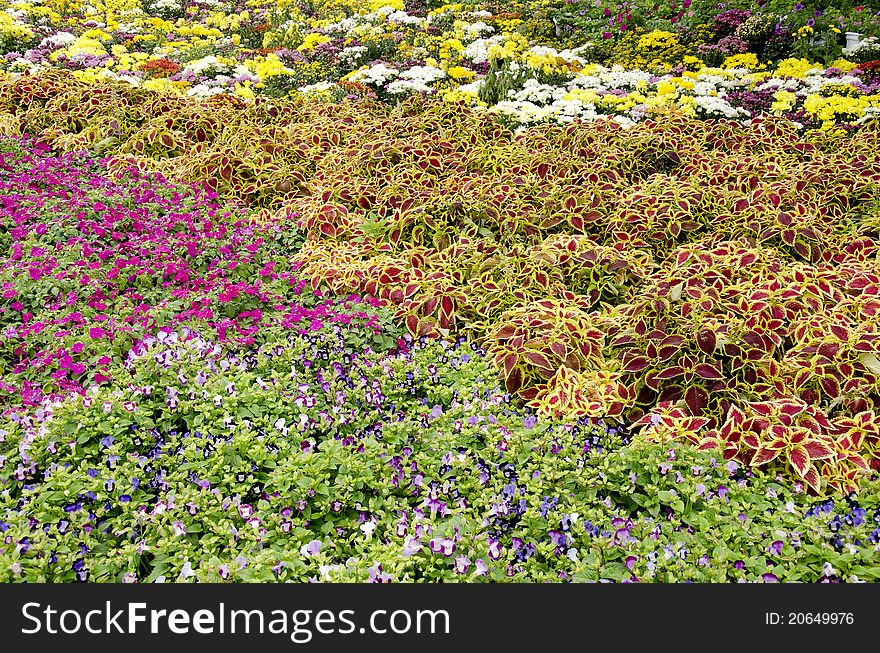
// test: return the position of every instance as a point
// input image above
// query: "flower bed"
(96, 265)
(733, 268)
(295, 452)
(357, 292)
(700, 60)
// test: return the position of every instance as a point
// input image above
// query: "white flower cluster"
(403, 18)
(59, 40)
(478, 51)
(344, 26)
(205, 66)
(130, 28)
(775, 84)
(717, 106)
(387, 10)
(536, 102)
(476, 30)
(205, 90)
(615, 78)
(537, 93)
(317, 88)
(415, 80)
(376, 75)
(167, 6)
(352, 55)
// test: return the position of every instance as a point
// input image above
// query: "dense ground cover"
(477, 304)
(303, 453)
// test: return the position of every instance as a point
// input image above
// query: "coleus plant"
(786, 438)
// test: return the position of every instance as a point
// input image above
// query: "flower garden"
(385, 291)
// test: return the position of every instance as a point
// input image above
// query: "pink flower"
(96, 332)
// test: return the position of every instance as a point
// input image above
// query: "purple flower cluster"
(122, 259)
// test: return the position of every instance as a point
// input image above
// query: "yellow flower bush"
(796, 68)
(783, 101)
(657, 39)
(10, 30)
(748, 60)
(312, 40)
(837, 108)
(514, 45)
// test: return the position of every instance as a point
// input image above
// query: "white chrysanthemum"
(344, 26)
(478, 51)
(536, 93)
(352, 54)
(476, 30)
(403, 18)
(402, 86)
(204, 65)
(61, 39)
(319, 87)
(526, 112)
(376, 75)
(705, 88)
(716, 106)
(204, 90)
(424, 74)
(167, 5)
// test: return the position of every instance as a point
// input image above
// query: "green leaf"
(871, 362)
